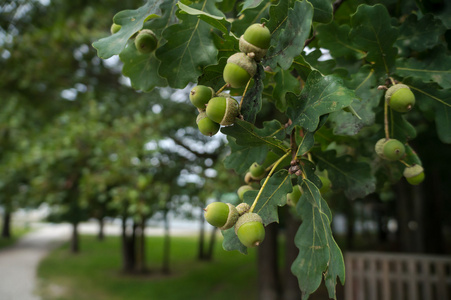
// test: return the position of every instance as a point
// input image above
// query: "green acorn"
(221, 215)
(243, 189)
(414, 174)
(390, 149)
(255, 41)
(206, 125)
(200, 95)
(250, 230)
(223, 110)
(239, 69)
(146, 41)
(400, 98)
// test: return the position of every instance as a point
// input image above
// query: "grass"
(16, 233)
(94, 273)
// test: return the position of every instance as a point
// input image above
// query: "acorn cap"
(242, 60)
(231, 112)
(247, 47)
(232, 217)
(246, 218)
(242, 208)
(393, 89)
(412, 171)
(379, 147)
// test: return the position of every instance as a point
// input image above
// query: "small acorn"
(223, 110)
(294, 196)
(390, 149)
(242, 208)
(115, 28)
(257, 170)
(400, 98)
(221, 215)
(250, 230)
(414, 174)
(146, 41)
(200, 95)
(255, 41)
(243, 189)
(239, 69)
(206, 125)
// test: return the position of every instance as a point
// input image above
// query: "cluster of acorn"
(401, 99)
(145, 41)
(248, 226)
(222, 109)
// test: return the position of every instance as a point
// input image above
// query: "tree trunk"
(6, 229)
(128, 248)
(74, 242)
(268, 275)
(211, 245)
(167, 245)
(141, 248)
(291, 289)
(201, 253)
(101, 234)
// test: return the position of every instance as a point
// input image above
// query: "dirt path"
(19, 262)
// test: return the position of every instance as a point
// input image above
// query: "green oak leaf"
(273, 195)
(252, 101)
(321, 95)
(427, 95)
(318, 252)
(285, 82)
(246, 134)
(231, 241)
(241, 157)
(421, 34)
(212, 75)
(309, 168)
(323, 10)
(399, 127)
(290, 42)
(277, 18)
(189, 48)
(131, 22)
(336, 39)
(218, 22)
(142, 69)
(355, 178)
(247, 4)
(435, 67)
(364, 84)
(227, 45)
(315, 60)
(250, 16)
(306, 143)
(372, 33)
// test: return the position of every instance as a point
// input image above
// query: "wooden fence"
(389, 276)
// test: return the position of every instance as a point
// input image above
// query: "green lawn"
(95, 273)
(16, 233)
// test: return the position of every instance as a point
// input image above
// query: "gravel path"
(18, 263)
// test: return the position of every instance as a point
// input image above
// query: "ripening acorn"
(390, 149)
(115, 28)
(294, 196)
(223, 110)
(414, 174)
(221, 215)
(242, 208)
(255, 41)
(243, 189)
(146, 41)
(200, 95)
(206, 125)
(250, 230)
(257, 170)
(400, 98)
(239, 69)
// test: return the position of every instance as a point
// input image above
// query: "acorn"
(242, 208)
(414, 174)
(390, 149)
(257, 171)
(200, 95)
(223, 110)
(239, 69)
(250, 230)
(221, 215)
(255, 41)
(146, 41)
(243, 189)
(400, 98)
(206, 125)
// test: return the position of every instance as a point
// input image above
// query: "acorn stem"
(221, 89)
(405, 163)
(267, 178)
(245, 90)
(387, 133)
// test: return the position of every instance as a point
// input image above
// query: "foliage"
(331, 109)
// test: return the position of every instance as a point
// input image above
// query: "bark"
(141, 248)
(268, 274)
(101, 234)
(128, 248)
(6, 229)
(201, 253)
(211, 245)
(291, 289)
(74, 242)
(166, 246)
